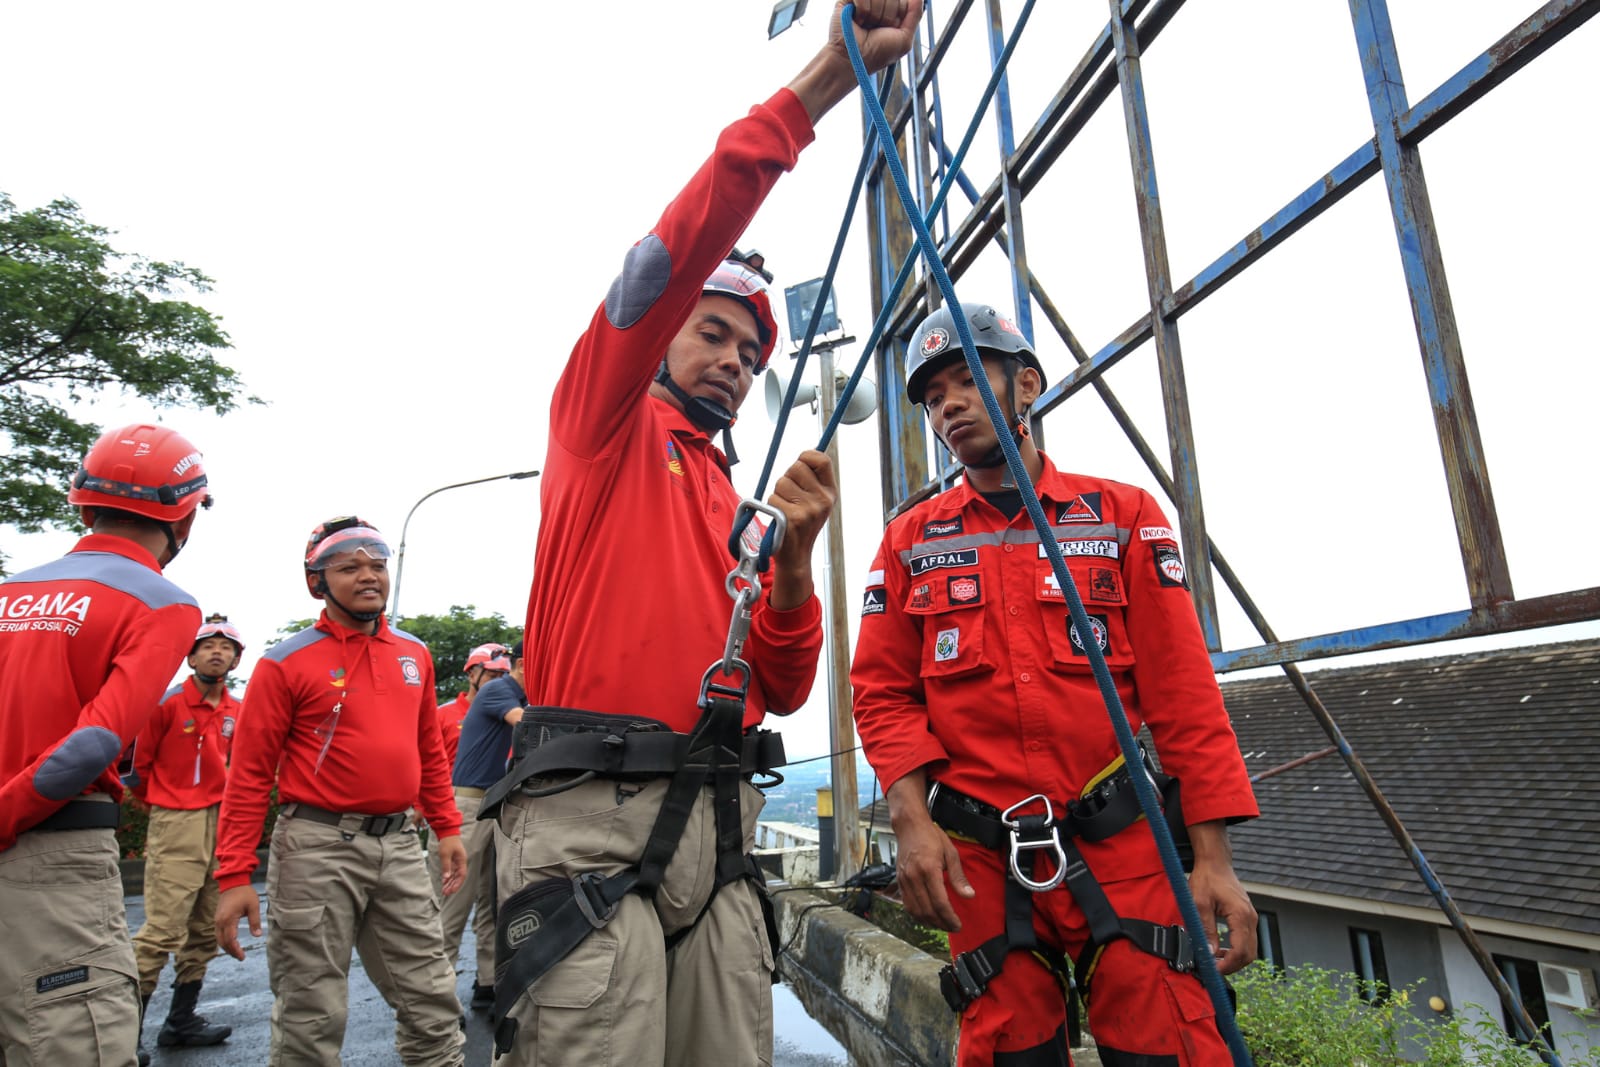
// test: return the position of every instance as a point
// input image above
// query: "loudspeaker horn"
(778, 387)
(863, 402)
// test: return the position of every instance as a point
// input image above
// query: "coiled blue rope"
(1143, 787)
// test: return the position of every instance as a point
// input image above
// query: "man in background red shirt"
(87, 645)
(343, 715)
(180, 767)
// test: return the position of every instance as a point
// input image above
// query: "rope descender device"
(744, 586)
(1029, 833)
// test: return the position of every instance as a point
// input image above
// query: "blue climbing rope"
(1143, 787)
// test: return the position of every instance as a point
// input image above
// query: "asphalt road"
(236, 994)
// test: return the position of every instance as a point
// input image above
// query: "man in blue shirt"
(480, 763)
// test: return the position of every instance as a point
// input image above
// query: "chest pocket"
(1100, 586)
(950, 607)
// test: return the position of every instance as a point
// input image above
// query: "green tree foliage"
(77, 316)
(449, 639)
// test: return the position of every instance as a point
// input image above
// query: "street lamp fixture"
(400, 558)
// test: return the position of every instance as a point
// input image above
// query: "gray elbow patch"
(78, 762)
(643, 279)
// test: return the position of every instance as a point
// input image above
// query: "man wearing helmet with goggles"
(180, 767)
(629, 606)
(971, 676)
(343, 717)
(88, 644)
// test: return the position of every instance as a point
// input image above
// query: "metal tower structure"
(1107, 78)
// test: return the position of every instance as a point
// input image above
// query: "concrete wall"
(875, 993)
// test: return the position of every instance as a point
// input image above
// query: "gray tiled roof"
(1491, 759)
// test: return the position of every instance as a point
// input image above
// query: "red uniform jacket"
(451, 716)
(88, 644)
(380, 750)
(180, 759)
(968, 662)
(636, 506)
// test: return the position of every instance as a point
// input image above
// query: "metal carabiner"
(1052, 841)
(744, 581)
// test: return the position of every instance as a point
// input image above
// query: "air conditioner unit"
(1568, 987)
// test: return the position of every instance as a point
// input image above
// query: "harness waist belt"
(81, 815)
(350, 822)
(639, 752)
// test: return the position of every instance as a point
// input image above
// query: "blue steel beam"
(1169, 353)
(1530, 39)
(1483, 555)
(1011, 190)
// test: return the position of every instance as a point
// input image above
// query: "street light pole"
(841, 725)
(400, 558)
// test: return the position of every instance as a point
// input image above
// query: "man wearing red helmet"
(971, 677)
(88, 644)
(342, 715)
(180, 767)
(629, 608)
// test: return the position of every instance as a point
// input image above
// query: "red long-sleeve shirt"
(628, 600)
(382, 745)
(87, 645)
(968, 663)
(451, 716)
(180, 758)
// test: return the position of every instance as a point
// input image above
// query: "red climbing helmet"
(148, 470)
(741, 277)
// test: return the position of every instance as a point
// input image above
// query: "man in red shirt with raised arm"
(180, 768)
(87, 646)
(629, 612)
(343, 716)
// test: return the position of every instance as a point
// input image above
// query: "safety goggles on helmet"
(489, 656)
(218, 629)
(748, 286)
(363, 539)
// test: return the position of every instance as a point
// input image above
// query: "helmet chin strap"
(709, 415)
(359, 616)
(208, 679)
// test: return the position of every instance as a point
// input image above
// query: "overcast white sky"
(411, 212)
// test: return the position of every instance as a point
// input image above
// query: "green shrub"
(1310, 1017)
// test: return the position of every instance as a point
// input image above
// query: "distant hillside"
(796, 799)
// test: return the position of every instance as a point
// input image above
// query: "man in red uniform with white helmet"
(180, 768)
(88, 644)
(343, 716)
(630, 611)
(970, 676)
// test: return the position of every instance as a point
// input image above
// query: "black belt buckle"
(586, 888)
(1174, 944)
(381, 825)
(963, 980)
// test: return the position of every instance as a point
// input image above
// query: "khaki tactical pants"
(68, 994)
(476, 895)
(621, 999)
(180, 895)
(329, 891)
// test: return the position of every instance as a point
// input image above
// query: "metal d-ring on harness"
(543, 922)
(1031, 829)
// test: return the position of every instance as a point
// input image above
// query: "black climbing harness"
(543, 922)
(1035, 828)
